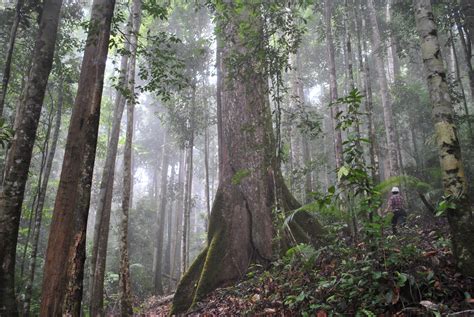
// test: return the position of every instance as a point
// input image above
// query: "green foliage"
(239, 176)
(6, 134)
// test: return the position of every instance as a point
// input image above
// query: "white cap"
(395, 190)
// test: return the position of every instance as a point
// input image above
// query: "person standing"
(396, 205)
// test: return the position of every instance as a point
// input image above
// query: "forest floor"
(408, 274)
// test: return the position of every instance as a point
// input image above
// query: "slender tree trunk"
(44, 153)
(333, 82)
(125, 295)
(240, 228)
(206, 168)
(158, 278)
(455, 184)
(467, 48)
(219, 78)
(461, 86)
(9, 55)
(393, 55)
(384, 91)
(179, 218)
(40, 203)
(187, 206)
(467, 8)
(102, 220)
(169, 231)
(62, 289)
(19, 156)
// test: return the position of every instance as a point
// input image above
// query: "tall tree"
(384, 91)
(9, 55)
(250, 183)
(455, 184)
(161, 216)
(41, 200)
(102, 219)
(332, 81)
(124, 274)
(19, 155)
(62, 289)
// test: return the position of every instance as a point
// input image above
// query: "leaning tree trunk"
(460, 215)
(40, 204)
(62, 289)
(8, 58)
(19, 156)
(384, 91)
(250, 184)
(102, 220)
(125, 292)
(333, 82)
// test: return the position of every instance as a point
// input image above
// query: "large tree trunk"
(460, 216)
(19, 155)
(9, 55)
(333, 82)
(384, 91)
(62, 288)
(158, 278)
(40, 203)
(102, 220)
(125, 292)
(250, 185)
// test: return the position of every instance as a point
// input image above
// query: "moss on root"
(187, 285)
(210, 270)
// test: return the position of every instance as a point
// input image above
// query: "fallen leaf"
(430, 253)
(255, 298)
(429, 305)
(269, 310)
(321, 313)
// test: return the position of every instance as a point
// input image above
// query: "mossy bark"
(251, 187)
(455, 184)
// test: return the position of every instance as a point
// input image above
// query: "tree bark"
(459, 81)
(169, 231)
(125, 292)
(455, 184)
(467, 8)
(158, 278)
(333, 82)
(19, 156)
(240, 229)
(102, 219)
(62, 289)
(384, 91)
(187, 205)
(41, 201)
(176, 270)
(9, 55)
